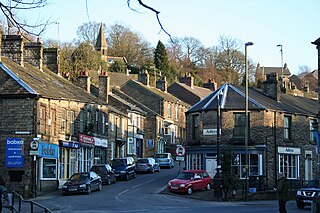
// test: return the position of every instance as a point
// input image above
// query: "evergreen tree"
(161, 61)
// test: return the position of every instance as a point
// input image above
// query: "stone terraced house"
(280, 133)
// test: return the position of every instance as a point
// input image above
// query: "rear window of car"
(119, 162)
(143, 161)
(98, 168)
(161, 155)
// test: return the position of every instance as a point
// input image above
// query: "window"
(131, 147)
(97, 121)
(195, 127)
(112, 121)
(42, 120)
(239, 126)
(81, 121)
(88, 118)
(49, 168)
(169, 110)
(289, 165)
(160, 129)
(71, 122)
(194, 162)
(239, 165)
(312, 128)
(53, 122)
(63, 120)
(176, 112)
(287, 128)
(103, 123)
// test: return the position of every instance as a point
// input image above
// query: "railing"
(17, 204)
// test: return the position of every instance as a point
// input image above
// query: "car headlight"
(64, 187)
(182, 185)
(299, 192)
(122, 172)
(82, 186)
(169, 184)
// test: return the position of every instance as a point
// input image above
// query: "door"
(211, 166)
(308, 165)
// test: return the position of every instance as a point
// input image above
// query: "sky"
(292, 23)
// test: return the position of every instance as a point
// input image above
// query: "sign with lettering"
(48, 150)
(70, 144)
(289, 150)
(86, 139)
(100, 142)
(14, 153)
(209, 131)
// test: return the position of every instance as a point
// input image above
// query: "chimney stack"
(51, 59)
(162, 84)
(12, 47)
(144, 78)
(33, 53)
(187, 79)
(84, 81)
(210, 85)
(104, 86)
(272, 86)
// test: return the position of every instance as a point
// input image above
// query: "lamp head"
(279, 45)
(249, 43)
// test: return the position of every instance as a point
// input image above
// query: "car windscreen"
(185, 176)
(80, 176)
(118, 162)
(142, 161)
(161, 156)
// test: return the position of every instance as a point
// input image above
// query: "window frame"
(287, 127)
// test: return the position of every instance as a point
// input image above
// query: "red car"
(190, 180)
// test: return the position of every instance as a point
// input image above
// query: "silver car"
(147, 165)
(165, 160)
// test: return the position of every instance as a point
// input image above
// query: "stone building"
(280, 133)
(51, 128)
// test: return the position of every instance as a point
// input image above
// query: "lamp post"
(281, 52)
(247, 118)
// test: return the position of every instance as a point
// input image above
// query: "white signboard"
(209, 131)
(100, 142)
(289, 150)
(179, 158)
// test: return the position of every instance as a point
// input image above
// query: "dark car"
(82, 182)
(105, 172)
(147, 165)
(124, 168)
(189, 181)
(305, 195)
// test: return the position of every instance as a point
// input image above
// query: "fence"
(14, 202)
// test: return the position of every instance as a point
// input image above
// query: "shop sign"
(289, 150)
(87, 139)
(14, 153)
(100, 142)
(70, 144)
(210, 132)
(48, 150)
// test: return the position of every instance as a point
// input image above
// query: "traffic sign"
(180, 151)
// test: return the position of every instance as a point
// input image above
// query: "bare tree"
(89, 31)
(11, 10)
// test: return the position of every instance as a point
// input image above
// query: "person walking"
(282, 193)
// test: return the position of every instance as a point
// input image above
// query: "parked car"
(124, 168)
(305, 195)
(105, 172)
(164, 160)
(82, 182)
(147, 165)
(189, 181)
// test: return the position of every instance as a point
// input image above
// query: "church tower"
(101, 44)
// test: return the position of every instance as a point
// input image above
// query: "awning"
(120, 142)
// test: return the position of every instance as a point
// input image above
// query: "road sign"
(34, 145)
(180, 151)
(34, 152)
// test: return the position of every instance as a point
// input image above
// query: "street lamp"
(247, 118)
(281, 51)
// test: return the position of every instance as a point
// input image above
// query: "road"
(141, 195)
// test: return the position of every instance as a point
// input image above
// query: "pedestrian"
(282, 192)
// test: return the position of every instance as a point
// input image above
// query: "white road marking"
(137, 185)
(149, 181)
(117, 197)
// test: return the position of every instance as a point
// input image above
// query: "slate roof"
(30, 80)
(188, 94)
(119, 79)
(153, 90)
(269, 70)
(233, 98)
(127, 104)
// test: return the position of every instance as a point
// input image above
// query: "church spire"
(101, 44)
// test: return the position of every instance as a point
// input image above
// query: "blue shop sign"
(48, 150)
(70, 144)
(14, 153)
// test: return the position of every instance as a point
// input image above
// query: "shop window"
(239, 165)
(49, 168)
(289, 165)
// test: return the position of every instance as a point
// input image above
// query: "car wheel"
(127, 177)
(114, 179)
(152, 170)
(108, 181)
(100, 186)
(300, 205)
(134, 175)
(159, 169)
(208, 187)
(189, 191)
(88, 189)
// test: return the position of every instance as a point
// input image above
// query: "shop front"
(68, 160)
(48, 166)
(100, 150)
(86, 153)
